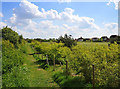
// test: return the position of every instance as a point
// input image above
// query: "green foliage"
(69, 81)
(44, 65)
(23, 47)
(13, 73)
(80, 59)
(64, 51)
(104, 58)
(67, 40)
(101, 39)
(36, 57)
(12, 36)
(114, 38)
(16, 78)
(10, 56)
(29, 40)
(20, 39)
(52, 49)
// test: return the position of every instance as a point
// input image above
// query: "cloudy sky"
(52, 19)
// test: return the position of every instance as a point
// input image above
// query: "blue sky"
(86, 19)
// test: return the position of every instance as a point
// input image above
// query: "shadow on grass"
(43, 64)
(34, 53)
(69, 82)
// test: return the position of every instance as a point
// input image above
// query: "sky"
(53, 19)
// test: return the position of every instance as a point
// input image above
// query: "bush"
(16, 78)
(104, 57)
(10, 57)
(13, 73)
(12, 36)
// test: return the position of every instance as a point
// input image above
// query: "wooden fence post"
(47, 59)
(66, 67)
(93, 77)
(60, 64)
(54, 63)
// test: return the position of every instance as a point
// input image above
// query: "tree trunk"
(66, 67)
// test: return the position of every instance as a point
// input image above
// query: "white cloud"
(47, 25)
(108, 29)
(119, 31)
(47, 28)
(111, 28)
(23, 14)
(115, 3)
(69, 11)
(50, 14)
(28, 11)
(111, 25)
(43, 29)
(85, 22)
(1, 15)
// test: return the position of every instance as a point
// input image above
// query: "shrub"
(16, 78)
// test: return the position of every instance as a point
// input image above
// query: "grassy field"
(37, 76)
(92, 43)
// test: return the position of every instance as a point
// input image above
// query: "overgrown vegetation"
(52, 57)
(80, 60)
(14, 74)
(12, 36)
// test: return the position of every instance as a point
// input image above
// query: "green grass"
(37, 76)
(92, 43)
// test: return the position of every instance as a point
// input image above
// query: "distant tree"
(113, 38)
(101, 39)
(38, 39)
(28, 40)
(118, 40)
(52, 39)
(67, 40)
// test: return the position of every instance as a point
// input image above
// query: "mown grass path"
(37, 76)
